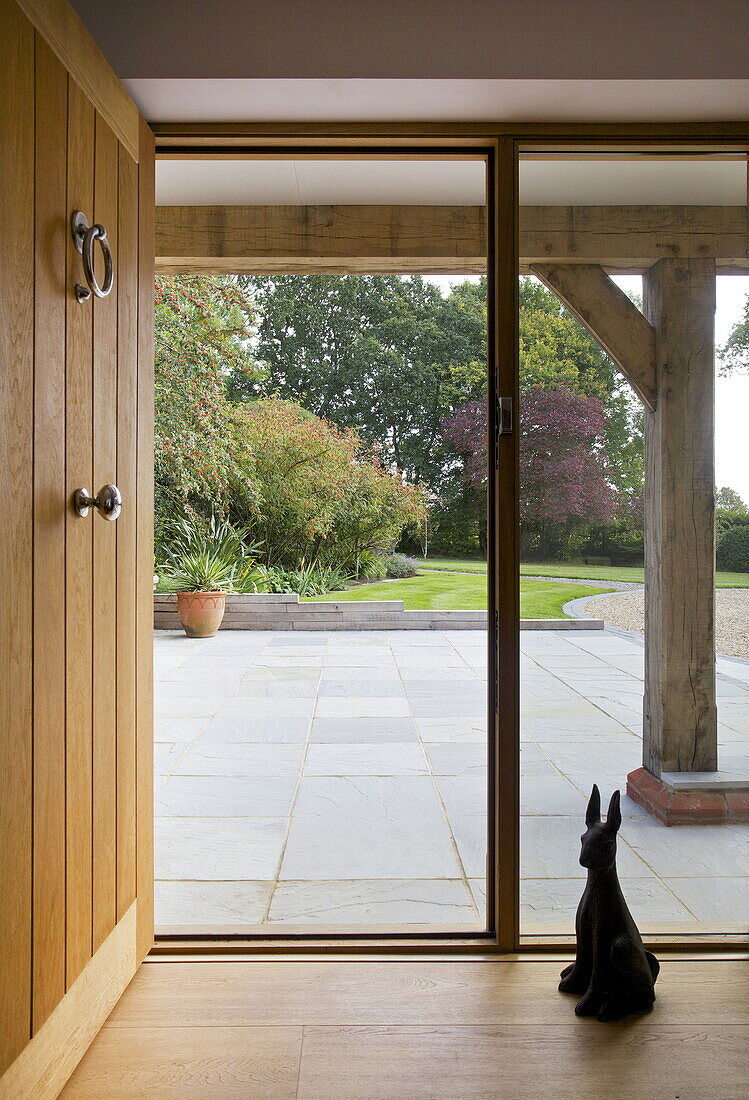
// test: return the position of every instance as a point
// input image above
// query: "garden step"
(243, 599)
(561, 624)
(283, 611)
(350, 607)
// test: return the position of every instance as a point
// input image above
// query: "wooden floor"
(405, 1030)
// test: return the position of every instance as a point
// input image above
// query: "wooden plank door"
(76, 911)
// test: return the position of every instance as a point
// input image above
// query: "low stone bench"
(285, 611)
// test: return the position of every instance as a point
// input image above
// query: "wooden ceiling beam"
(325, 238)
(630, 239)
(449, 239)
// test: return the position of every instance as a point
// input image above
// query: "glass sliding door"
(632, 316)
(322, 399)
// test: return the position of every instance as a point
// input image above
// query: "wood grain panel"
(16, 531)
(568, 1059)
(321, 265)
(104, 399)
(47, 1061)
(79, 550)
(67, 804)
(60, 26)
(144, 541)
(182, 140)
(127, 413)
(632, 238)
(48, 978)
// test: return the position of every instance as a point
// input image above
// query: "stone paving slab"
(337, 780)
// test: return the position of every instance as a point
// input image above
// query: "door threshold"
(406, 956)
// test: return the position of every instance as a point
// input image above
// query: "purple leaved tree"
(563, 482)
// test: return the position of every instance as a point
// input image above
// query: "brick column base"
(687, 807)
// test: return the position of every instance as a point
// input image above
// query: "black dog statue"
(612, 969)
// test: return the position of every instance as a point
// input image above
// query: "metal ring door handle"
(108, 502)
(84, 237)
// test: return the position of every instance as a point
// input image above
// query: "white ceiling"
(319, 182)
(566, 181)
(352, 100)
(579, 181)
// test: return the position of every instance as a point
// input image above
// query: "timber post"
(680, 721)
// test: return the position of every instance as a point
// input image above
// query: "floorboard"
(390, 1030)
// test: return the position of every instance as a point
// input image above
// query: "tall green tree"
(730, 510)
(729, 499)
(557, 352)
(393, 358)
(734, 355)
(387, 356)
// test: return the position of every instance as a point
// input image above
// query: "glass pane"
(322, 389)
(594, 513)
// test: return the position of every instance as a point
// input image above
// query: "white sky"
(731, 394)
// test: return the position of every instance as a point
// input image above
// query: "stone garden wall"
(286, 612)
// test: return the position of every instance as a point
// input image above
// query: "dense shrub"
(372, 567)
(726, 518)
(733, 549)
(457, 524)
(319, 493)
(212, 555)
(627, 548)
(308, 580)
(399, 566)
(617, 544)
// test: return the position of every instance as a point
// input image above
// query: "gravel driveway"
(626, 610)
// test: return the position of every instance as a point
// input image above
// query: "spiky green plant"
(201, 571)
(213, 557)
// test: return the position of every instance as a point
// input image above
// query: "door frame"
(502, 144)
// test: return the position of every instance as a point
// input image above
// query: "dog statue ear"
(593, 812)
(614, 814)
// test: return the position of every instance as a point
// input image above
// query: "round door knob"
(108, 502)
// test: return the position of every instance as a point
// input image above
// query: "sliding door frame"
(500, 144)
(502, 906)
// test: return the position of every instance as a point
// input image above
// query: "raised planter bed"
(284, 611)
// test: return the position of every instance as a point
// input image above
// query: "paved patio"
(329, 781)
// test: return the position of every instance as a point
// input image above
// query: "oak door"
(75, 592)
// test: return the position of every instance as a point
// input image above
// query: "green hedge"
(733, 549)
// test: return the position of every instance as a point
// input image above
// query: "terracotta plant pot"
(201, 612)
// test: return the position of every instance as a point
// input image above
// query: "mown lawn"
(462, 565)
(466, 592)
(583, 572)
